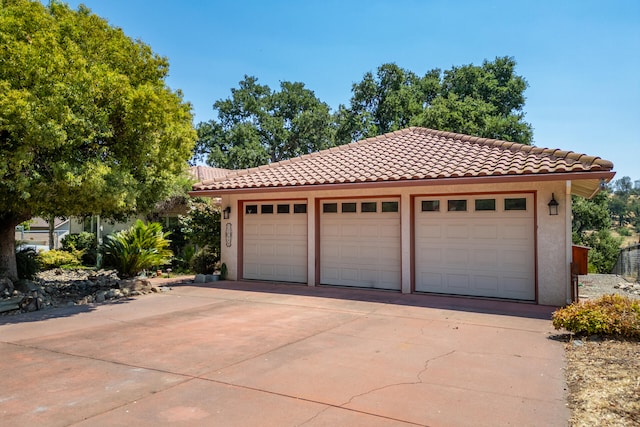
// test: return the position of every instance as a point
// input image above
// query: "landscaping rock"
(58, 287)
(6, 285)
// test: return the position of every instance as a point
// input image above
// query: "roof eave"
(592, 182)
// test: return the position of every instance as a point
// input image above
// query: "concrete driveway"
(255, 354)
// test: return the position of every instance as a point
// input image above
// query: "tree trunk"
(8, 267)
(52, 227)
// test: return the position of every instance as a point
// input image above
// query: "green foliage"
(604, 250)
(614, 315)
(484, 100)
(257, 126)
(141, 247)
(205, 261)
(87, 122)
(624, 232)
(590, 214)
(85, 242)
(201, 225)
(223, 271)
(27, 262)
(591, 227)
(57, 258)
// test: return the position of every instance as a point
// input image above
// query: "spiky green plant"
(139, 248)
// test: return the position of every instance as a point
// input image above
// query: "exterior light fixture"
(553, 205)
(226, 212)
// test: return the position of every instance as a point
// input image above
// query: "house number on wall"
(227, 235)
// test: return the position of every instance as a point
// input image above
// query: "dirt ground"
(603, 375)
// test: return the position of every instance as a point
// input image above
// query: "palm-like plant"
(140, 247)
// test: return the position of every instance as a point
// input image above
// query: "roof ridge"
(516, 146)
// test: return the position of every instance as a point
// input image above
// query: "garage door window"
(283, 209)
(266, 209)
(251, 209)
(299, 208)
(389, 206)
(519, 204)
(485, 204)
(329, 207)
(457, 205)
(430, 205)
(348, 207)
(368, 207)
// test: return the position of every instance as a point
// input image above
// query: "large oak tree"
(258, 125)
(485, 100)
(87, 122)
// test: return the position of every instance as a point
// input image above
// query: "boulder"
(135, 284)
(6, 285)
(26, 286)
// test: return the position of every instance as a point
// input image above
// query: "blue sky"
(580, 58)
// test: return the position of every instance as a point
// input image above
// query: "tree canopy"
(87, 122)
(257, 125)
(484, 101)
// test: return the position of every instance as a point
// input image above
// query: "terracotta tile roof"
(409, 154)
(207, 173)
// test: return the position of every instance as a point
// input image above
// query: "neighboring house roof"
(417, 155)
(206, 173)
(41, 223)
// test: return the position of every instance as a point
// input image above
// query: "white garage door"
(275, 241)
(360, 243)
(479, 246)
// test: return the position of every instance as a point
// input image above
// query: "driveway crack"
(418, 379)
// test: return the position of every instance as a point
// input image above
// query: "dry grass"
(603, 377)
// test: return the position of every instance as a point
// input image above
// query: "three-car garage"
(462, 244)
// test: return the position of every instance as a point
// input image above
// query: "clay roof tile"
(412, 153)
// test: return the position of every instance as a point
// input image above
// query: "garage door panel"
(331, 230)
(282, 251)
(457, 231)
(487, 283)
(251, 229)
(267, 270)
(350, 231)
(489, 259)
(432, 280)
(458, 281)
(456, 256)
(430, 255)
(349, 275)
(484, 253)
(516, 232)
(429, 231)
(485, 232)
(366, 250)
(275, 246)
(299, 230)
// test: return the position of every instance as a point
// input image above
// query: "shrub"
(615, 315)
(85, 242)
(57, 258)
(27, 263)
(141, 247)
(623, 231)
(204, 261)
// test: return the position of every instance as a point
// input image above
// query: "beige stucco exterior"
(553, 233)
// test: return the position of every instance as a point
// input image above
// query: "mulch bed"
(603, 376)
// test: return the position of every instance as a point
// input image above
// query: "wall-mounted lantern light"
(226, 212)
(553, 205)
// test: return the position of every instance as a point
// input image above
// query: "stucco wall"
(553, 232)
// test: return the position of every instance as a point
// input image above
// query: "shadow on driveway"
(458, 303)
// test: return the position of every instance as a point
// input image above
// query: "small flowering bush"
(57, 258)
(614, 315)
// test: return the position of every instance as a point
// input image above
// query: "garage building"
(417, 210)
